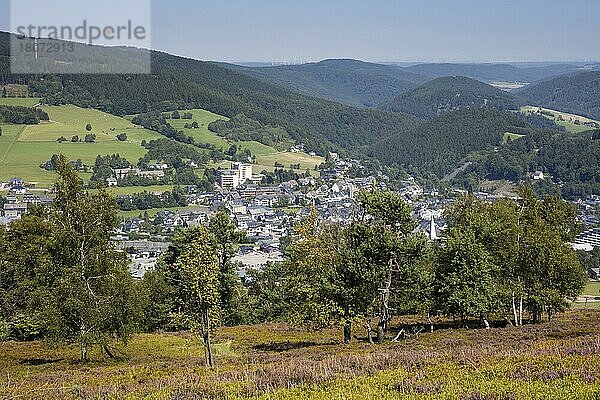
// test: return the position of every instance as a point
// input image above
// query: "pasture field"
(558, 360)
(592, 289)
(24, 148)
(201, 135)
(568, 120)
(19, 101)
(509, 137)
(266, 156)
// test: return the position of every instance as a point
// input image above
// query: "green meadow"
(24, 148)
(202, 134)
(266, 156)
(566, 120)
(509, 137)
(19, 101)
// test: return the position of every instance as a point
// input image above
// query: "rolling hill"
(350, 82)
(181, 83)
(450, 93)
(575, 93)
(439, 146)
(494, 72)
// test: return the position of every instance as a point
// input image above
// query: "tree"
(88, 127)
(85, 294)
(464, 281)
(198, 269)
(528, 242)
(341, 274)
(4, 93)
(90, 138)
(391, 218)
(224, 236)
(122, 137)
(75, 139)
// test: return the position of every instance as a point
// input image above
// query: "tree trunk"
(380, 332)
(369, 330)
(347, 332)
(430, 322)
(206, 339)
(514, 310)
(384, 312)
(485, 322)
(83, 349)
(520, 311)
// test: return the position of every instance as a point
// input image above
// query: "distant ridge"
(577, 93)
(346, 81)
(448, 94)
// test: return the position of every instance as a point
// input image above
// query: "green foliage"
(336, 274)
(198, 288)
(439, 146)
(243, 128)
(448, 94)
(224, 236)
(104, 165)
(575, 93)
(511, 250)
(88, 298)
(568, 158)
(22, 115)
(146, 200)
(464, 281)
(61, 277)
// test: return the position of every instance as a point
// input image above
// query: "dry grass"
(272, 361)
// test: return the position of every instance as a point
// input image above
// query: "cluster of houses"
(267, 213)
(18, 200)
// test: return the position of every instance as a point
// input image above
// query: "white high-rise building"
(228, 178)
(244, 171)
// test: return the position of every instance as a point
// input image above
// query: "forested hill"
(177, 83)
(350, 82)
(575, 93)
(440, 145)
(494, 72)
(450, 93)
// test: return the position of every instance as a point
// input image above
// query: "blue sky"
(375, 30)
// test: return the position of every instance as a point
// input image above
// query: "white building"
(244, 171)
(228, 178)
(239, 174)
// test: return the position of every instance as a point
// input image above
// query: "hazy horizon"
(384, 31)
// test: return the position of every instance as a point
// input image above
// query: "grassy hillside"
(180, 83)
(576, 93)
(350, 82)
(450, 93)
(548, 361)
(571, 122)
(24, 148)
